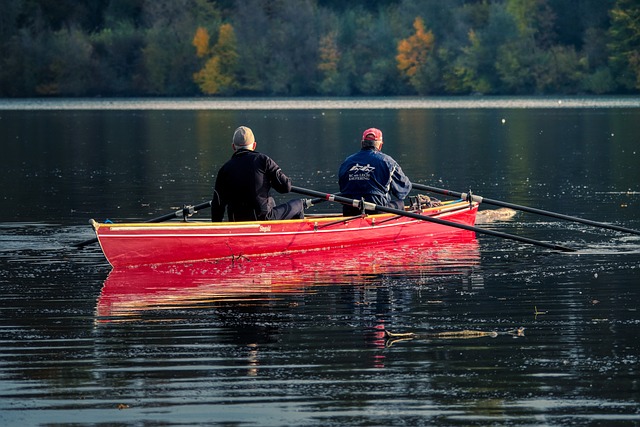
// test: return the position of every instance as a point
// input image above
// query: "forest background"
(318, 47)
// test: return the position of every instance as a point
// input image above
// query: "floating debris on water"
(491, 215)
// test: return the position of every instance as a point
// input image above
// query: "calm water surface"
(298, 340)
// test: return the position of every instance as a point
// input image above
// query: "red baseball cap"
(372, 134)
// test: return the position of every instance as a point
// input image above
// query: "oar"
(523, 208)
(372, 207)
(185, 211)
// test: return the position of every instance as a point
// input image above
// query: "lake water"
(294, 341)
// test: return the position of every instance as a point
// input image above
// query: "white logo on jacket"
(360, 173)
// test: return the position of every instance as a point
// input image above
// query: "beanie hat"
(243, 136)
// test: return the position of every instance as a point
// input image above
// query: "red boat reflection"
(130, 291)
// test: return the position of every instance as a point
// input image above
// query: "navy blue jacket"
(374, 176)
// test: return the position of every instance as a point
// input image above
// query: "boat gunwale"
(445, 209)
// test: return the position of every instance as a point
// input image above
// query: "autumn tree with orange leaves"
(218, 76)
(415, 60)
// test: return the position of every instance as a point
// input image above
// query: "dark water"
(290, 342)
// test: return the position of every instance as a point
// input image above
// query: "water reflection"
(129, 292)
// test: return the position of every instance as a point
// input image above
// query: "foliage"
(414, 57)
(219, 73)
(331, 82)
(118, 66)
(318, 47)
(625, 43)
(201, 42)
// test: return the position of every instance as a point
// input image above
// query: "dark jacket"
(243, 184)
(374, 176)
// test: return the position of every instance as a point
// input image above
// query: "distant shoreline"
(392, 103)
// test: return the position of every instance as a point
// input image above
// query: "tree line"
(318, 47)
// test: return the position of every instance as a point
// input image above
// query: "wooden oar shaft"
(372, 206)
(524, 208)
(175, 214)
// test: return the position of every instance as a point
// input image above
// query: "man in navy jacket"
(372, 175)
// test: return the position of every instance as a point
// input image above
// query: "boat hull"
(133, 244)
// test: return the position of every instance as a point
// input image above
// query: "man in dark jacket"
(243, 184)
(372, 175)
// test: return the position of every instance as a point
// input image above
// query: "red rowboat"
(131, 244)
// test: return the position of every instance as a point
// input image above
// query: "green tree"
(559, 70)
(123, 13)
(369, 47)
(534, 19)
(476, 67)
(515, 66)
(167, 54)
(459, 47)
(10, 47)
(30, 60)
(9, 15)
(625, 43)
(601, 81)
(278, 44)
(331, 82)
(575, 18)
(70, 64)
(118, 64)
(530, 62)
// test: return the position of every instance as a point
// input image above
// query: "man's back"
(367, 173)
(244, 182)
(372, 175)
